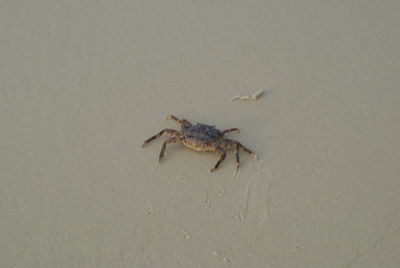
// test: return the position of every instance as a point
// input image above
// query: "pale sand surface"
(84, 83)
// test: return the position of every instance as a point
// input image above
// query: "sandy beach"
(84, 83)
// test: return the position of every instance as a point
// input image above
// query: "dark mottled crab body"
(201, 137)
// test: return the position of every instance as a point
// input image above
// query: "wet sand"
(84, 83)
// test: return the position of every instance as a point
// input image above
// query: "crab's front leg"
(221, 158)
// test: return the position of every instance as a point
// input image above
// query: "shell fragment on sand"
(257, 94)
(253, 97)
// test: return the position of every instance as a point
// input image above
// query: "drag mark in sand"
(374, 244)
(256, 202)
(221, 258)
(246, 207)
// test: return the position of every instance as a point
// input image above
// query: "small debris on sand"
(253, 97)
(257, 94)
(246, 98)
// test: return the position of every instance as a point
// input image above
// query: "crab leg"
(183, 122)
(227, 143)
(229, 130)
(221, 158)
(237, 157)
(170, 132)
(246, 150)
(164, 146)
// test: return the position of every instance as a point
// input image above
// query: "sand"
(84, 83)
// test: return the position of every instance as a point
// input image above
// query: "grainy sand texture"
(84, 83)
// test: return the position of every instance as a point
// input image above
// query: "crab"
(201, 137)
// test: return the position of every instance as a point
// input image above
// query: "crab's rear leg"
(226, 143)
(221, 158)
(237, 157)
(164, 146)
(171, 132)
(229, 144)
(253, 155)
(184, 123)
